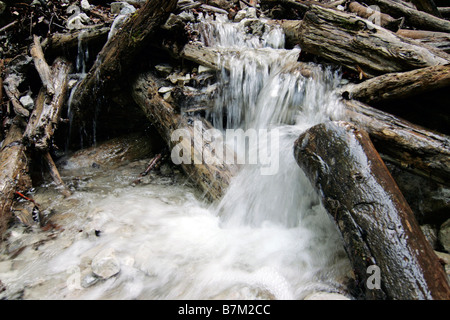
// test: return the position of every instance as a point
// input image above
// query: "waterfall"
(268, 238)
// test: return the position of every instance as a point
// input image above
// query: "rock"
(444, 235)
(326, 296)
(122, 8)
(203, 69)
(248, 13)
(88, 280)
(27, 102)
(85, 5)
(430, 233)
(110, 154)
(164, 69)
(445, 258)
(105, 264)
(163, 90)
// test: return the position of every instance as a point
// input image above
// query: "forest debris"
(409, 146)
(351, 41)
(377, 225)
(392, 86)
(382, 19)
(117, 55)
(415, 18)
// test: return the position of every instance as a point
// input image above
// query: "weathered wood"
(13, 171)
(409, 146)
(444, 11)
(213, 177)
(359, 44)
(117, 56)
(418, 19)
(384, 20)
(393, 86)
(439, 40)
(41, 65)
(46, 115)
(427, 6)
(54, 173)
(376, 223)
(63, 41)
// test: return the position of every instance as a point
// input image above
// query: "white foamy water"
(269, 238)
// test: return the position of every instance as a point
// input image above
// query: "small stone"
(164, 69)
(105, 264)
(122, 8)
(430, 233)
(444, 235)
(89, 280)
(27, 102)
(85, 5)
(163, 90)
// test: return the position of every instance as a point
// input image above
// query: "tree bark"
(415, 18)
(377, 225)
(394, 86)
(63, 41)
(409, 146)
(439, 40)
(13, 172)
(427, 6)
(212, 177)
(117, 56)
(46, 115)
(357, 43)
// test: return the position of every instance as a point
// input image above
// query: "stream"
(268, 238)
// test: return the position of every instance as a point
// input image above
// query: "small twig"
(8, 26)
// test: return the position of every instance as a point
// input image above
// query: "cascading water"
(269, 238)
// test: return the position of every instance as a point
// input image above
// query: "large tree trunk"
(358, 44)
(377, 225)
(212, 176)
(409, 146)
(415, 18)
(117, 56)
(394, 86)
(13, 172)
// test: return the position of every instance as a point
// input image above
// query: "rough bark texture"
(409, 146)
(212, 178)
(357, 43)
(419, 19)
(377, 225)
(439, 40)
(394, 86)
(64, 41)
(46, 115)
(427, 6)
(13, 172)
(117, 56)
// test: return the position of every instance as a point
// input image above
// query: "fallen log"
(13, 171)
(415, 18)
(427, 6)
(117, 56)
(41, 65)
(361, 45)
(63, 41)
(394, 86)
(213, 177)
(444, 11)
(45, 117)
(439, 40)
(409, 146)
(382, 19)
(377, 225)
